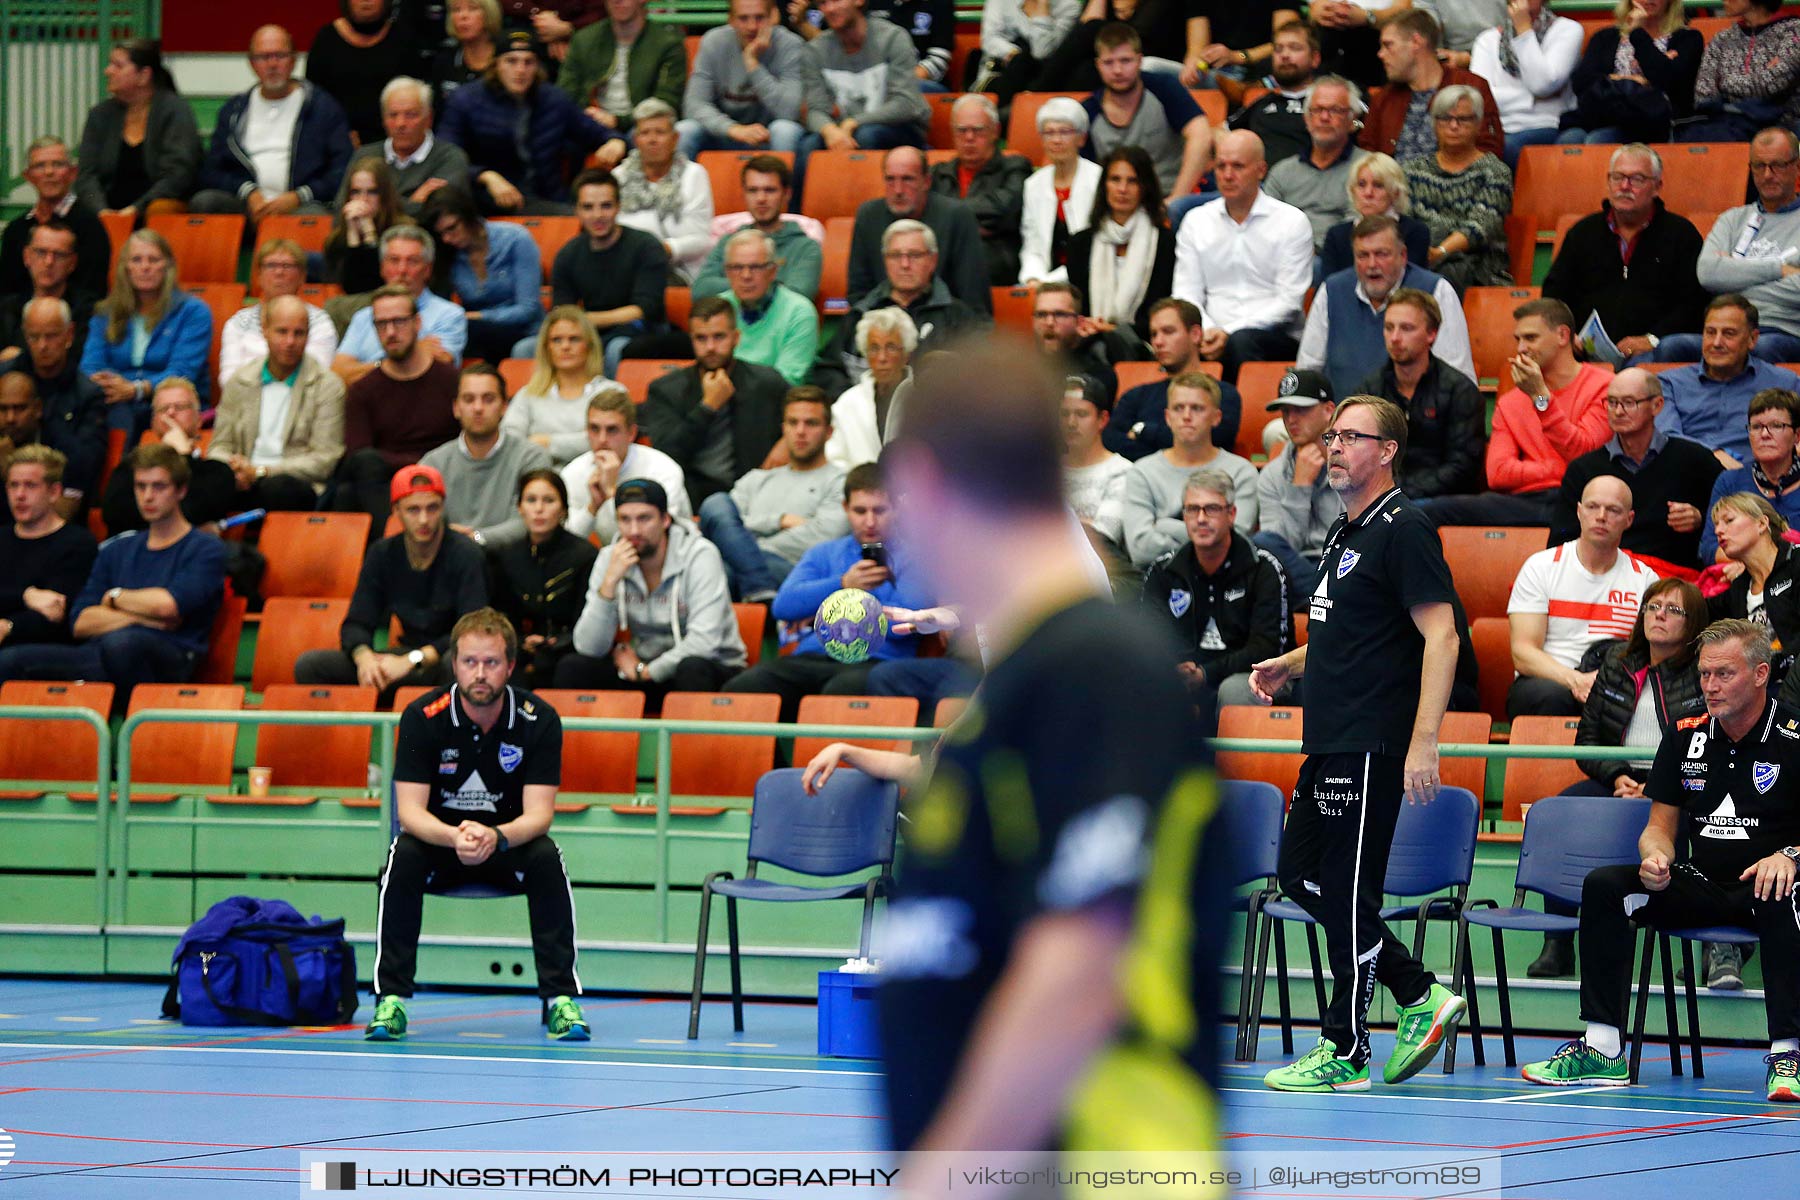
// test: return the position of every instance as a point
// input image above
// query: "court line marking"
(376, 1056)
(1607, 1108)
(1523, 1097)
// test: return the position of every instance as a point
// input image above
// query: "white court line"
(1528, 1097)
(374, 1056)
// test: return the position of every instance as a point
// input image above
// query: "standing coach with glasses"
(1379, 663)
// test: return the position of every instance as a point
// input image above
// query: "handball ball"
(850, 624)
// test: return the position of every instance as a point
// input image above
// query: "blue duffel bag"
(259, 962)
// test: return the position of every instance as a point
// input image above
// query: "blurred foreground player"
(1028, 1001)
(1377, 684)
(475, 779)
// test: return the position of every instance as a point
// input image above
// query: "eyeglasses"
(1770, 428)
(394, 322)
(1348, 438)
(1657, 606)
(908, 255)
(1330, 110)
(43, 252)
(279, 264)
(1057, 131)
(970, 129)
(1634, 179)
(1456, 118)
(1628, 403)
(746, 268)
(1211, 512)
(1779, 164)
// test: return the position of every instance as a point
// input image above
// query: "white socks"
(1604, 1039)
(1784, 1046)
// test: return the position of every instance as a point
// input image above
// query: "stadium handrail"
(103, 771)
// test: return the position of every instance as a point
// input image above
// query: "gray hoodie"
(720, 93)
(876, 85)
(687, 616)
(484, 492)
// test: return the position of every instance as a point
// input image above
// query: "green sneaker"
(1577, 1064)
(389, 1022)
(566, 1024)
(1320, 1070)
(1784, 1075)
(1423, 1028)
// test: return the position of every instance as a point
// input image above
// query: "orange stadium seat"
(725, 168)
(309, 230)
(224, 299)
(319, 293)
(637, 374)
(169, 760)
(1012, 308)
(677, 303)
(310, 756)
(834, 272)
(1136, 374)
(968, 41)
(1021, 129)
(1489, 311)
(1466, 728)
(62, 751)
(206, 245)
(1256, 384)
(752, 622)
(837, 181)
(596, 763)
(118, 228)
(1529, 780)
(1553, 180)
(1521, 248)
(313, 553)
(1485, 559)
(712, 764)
(900, 712)
(550, 233)
(948, 709)
(1254, 721)
(1211, 102)
(1492, 638)
(291, 626)
(220, 664)
(515, 373)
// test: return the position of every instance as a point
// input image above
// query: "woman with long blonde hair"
(551, 409)
(146, 330)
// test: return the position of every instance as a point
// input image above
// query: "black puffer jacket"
(1614, 697)
(1247, 600)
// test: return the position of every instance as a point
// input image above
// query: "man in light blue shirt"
(407, 254)
(1709, 402)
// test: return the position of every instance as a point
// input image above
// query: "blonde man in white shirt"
(614, 456)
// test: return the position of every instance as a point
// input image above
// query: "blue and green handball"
(850, 624)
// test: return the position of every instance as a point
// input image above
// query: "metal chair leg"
(1506, 1019)
(1456, 984)
(1262, 968)
(700, 960)
(1281, 988)
(1472, 995)
(1245, 1015)
(1674, 1027)
(737, 979)
(1647, 957)
(1693, 1010)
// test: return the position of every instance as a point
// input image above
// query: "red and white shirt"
(1582, 608)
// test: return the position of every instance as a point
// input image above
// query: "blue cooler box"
(847, 1015)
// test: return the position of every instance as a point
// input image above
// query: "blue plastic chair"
(1566, 837)
(1253, 812)
(1433, 851)
(1735, 935)
(848, 826)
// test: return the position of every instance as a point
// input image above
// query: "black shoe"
(1556, 960)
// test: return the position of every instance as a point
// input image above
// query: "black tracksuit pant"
(535, 868)
(1612, 895)
(1334, 855)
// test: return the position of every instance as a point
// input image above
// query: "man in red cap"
(417, 575)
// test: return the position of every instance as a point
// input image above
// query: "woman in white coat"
(864, 418)
(1527, 61)
(1059, 198)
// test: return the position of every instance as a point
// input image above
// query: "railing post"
(664, 788)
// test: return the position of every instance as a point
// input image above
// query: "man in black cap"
(663, 587)
(1295, 504)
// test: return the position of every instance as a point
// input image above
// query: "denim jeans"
(124, 658)
(748, 567)
(695, 138)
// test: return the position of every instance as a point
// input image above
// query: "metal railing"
(102, 774)
(661, 730)
(52, 54)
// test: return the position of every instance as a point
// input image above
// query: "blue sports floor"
(101, 1100)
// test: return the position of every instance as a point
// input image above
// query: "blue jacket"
(321, 148)
(178, 346)
(191, 570)
(515, 274)
(820, 572)
(480, 118)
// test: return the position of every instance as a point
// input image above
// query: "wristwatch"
(416, 657)
(1792, 852)
(1541, 403)
(501, 845)
(111, 599)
